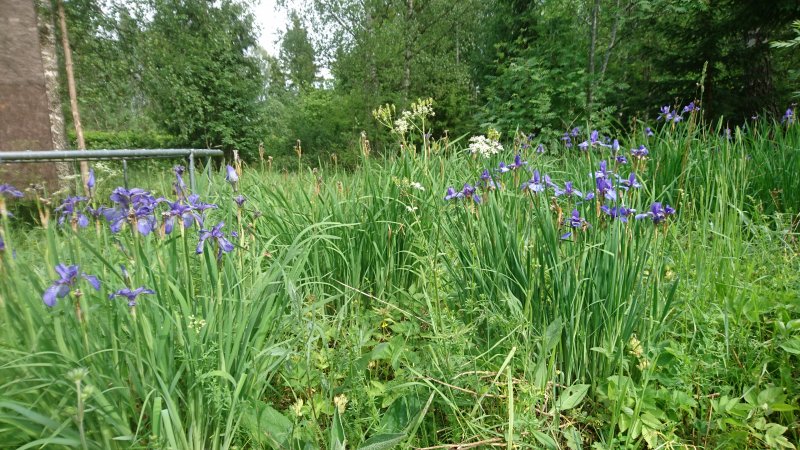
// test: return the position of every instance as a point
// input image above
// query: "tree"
(202, 73)
(297, 55)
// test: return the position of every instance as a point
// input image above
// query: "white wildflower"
(401, 126)
(484, 146)
(416, 185)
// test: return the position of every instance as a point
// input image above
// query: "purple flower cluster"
(610, 190)
(141, 210)
(667, 114)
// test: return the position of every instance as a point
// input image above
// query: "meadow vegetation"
(604, 292)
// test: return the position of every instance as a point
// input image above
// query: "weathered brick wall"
(30, 116)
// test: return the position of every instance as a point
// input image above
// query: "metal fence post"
(125, 173)
(191, 171)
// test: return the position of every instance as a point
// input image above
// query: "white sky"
(272, 22)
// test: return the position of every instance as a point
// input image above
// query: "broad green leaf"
(552, 335)
(571, 397)
(267, 425)
(792, 346)
(545, 439)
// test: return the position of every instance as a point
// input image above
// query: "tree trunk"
(407, 54)
(592, 50)
(612, 42)
(73, 96)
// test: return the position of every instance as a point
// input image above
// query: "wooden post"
(73, 95)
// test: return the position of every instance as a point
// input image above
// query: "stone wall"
(30, 109)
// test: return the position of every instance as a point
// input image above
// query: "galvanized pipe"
(27, 156)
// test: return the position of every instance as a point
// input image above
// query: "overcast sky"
(272, 22)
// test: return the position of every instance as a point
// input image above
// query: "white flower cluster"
(484, 146)
(421, 110)
(401, 124)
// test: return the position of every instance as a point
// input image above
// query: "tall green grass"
(360, 310)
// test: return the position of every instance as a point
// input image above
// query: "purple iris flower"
(145, 219)
(240, 199)
(69, 209)
(124, 198)
(568, 191)
(615, 146)
(216, 234)
(640, 152)
(503, 168)
(548, 182)
(180, 210)
(230, 175)
(469, 193)
(518, 162)
(594, 137)
(666, 113)
(621, 159)
(200, 206)
(486, 180)
(68, 276)
(657, 213)
(535, 184)
(540, 148)
(91, 181)
(9, 190)
(452, 194)
(567, 140)
(574, 221)
(618, 212)
(136, 205)
(605, 188)
(2, 244)
(648, 132)
(603, 172)
(131, 294)
(584, 145)
(575, 132)
(630, 182)
(180, 186)
(788, 117)
(690, 107)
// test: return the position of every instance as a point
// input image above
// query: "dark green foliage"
(200, 73)
(297, 56)
(126, 139)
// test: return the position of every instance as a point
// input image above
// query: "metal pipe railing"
(32, 156)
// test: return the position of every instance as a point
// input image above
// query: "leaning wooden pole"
(73, 94)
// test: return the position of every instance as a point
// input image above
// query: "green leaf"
(573, 438)
(338, 441)
(792, 346)
(383, 441)
(267, 425)
(552, 335)
(545, 439)
(571, 397)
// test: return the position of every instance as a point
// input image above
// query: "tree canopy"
(193, 68)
